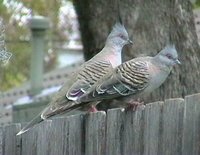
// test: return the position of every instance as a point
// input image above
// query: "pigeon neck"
(114, 46)
(112, 54)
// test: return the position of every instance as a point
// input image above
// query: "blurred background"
(77, 30)
(62, 36)
(62, 51)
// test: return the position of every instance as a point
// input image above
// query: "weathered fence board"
(60, 136)
(29, 142)
(11, 142)
(114, 130)
(170, 127)
(95, 124)
(44, 138)
(58, 140)
(191, 130)
(133, 132)
(1, 141)
(152, 114)
(74, 135)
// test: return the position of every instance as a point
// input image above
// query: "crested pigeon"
(88, 74)
(136, 77)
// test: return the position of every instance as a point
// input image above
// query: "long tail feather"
(47, 113)
(36, 120)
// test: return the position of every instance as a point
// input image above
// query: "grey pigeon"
(88, 74)
(136, 77)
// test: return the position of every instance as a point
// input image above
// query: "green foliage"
(17, 70)
(196, 4)
(49, 9)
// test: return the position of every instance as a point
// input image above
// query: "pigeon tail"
(36, 120)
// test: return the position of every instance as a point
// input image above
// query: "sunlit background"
(63, 38)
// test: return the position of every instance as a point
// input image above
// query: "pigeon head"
(118, 36)
(168, 56)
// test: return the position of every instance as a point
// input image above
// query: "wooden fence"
(161, 128)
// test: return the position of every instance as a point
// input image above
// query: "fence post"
(38, 26)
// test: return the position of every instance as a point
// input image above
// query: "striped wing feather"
(129, 78)
(88, 76)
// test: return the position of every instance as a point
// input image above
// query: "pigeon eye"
(122, 36)
(168, 56)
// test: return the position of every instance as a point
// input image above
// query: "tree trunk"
(151, 25)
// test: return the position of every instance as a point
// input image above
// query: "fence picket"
(152, 116)
(172, 126)
(1, 140)
(12, 144)
(43, 137)
(133, 132)
(191, 125)
(114, 130)
(95, 124)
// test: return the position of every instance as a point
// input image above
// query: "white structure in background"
(68, 23)
(19, 13)
(69, 26)
(4, 55)
(69, 51)
(197, 23)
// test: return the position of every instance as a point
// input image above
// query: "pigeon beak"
(177, 62)
(130, 41)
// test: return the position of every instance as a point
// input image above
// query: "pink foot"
(92, 109)
(134, 104)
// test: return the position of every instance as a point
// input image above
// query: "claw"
(92, 109)
(133, 105)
